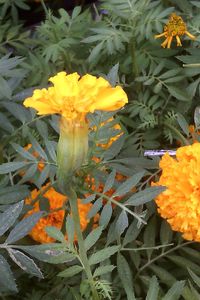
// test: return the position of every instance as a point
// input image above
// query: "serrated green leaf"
(114, 148)
(25, 263)
(195, 278)
(163, 275)
(95, 208)
(125, 276)
(183, 123)
(157, 88)
(24, 153)
(132, 232)
(166, 233)
(93, 237)
(36, 146)
(11, 167)
(178, 93)
(70, 229)
(103, 270)
(103, 254)
(197, 116)
(8, 217)
(131, 182)
(145, 196)
(5, 90)
(184, 263)
(122, 223)
(106, 215)
(55, 233)
(5, 123)
(6, 277)
(46, 252)
(150, 235)
(23, 228)
(175, 291)
(109, 181)
(153, 291)
(70, 272)
(12, 194)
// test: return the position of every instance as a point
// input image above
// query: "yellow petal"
(110, 99)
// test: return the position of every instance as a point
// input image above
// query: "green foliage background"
(133, 253)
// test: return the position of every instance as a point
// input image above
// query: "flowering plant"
(91, 207)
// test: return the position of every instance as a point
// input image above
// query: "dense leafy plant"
(132, 253)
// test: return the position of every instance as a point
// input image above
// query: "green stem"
(177, 132)
(162, 255)
(82, 251)
(123, 207)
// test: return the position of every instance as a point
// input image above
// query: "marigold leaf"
(8, 217)
(12, 194)
(70, 229)
(7, 280)
(131, 182)
(109, 181)
(70, 272)
(175, 291)
(23, 228)
(93, 237)
(145, 196)
(45, 252)
(125, 276)
(183, 123)
(195, 278)
(103, 270)
(55, 233)
(153, 289)
(178, 93)
(106, 215)
(122, 223)
(25, 263)
(103, 254)
(11, 167)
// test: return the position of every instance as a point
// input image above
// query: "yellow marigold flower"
(180, 203)
(176, 27)
(73, 97)
(56, 214)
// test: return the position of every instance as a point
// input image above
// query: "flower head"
(73, 97)
(56, 214)
(176, 27)
(180, 203)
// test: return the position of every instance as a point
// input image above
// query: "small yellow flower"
(180, 203)
(176, 27)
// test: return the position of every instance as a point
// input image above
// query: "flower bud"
(72, 149)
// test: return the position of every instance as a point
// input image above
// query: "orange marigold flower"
(180, 203)
(176, 27)
(56, 214)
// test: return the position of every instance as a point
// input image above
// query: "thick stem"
(82, 251)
